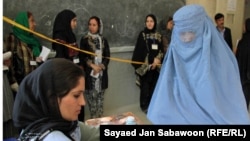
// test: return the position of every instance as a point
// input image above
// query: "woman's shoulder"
(104, 39)
(59, 135)
(158, 34)
(90, 133)
(60, 36)
(85, 39)
(11, 42)
(141, 34)
(86, 36)
(10, 37)
(56, 135)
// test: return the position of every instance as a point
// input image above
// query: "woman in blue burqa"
(199, 82)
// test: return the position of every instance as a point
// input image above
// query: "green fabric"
(24, 36)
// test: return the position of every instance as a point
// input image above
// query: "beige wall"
(233, 10)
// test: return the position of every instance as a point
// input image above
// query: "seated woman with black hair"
(49, 101)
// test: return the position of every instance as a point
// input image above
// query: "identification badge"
(76, 60)
(154, 46)
(33, 63)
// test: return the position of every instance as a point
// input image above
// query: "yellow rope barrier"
(51, 40)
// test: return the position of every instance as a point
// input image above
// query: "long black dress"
(243, 58)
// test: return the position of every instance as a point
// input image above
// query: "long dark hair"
(36, 108)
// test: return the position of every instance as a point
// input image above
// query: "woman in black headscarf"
(65, 23)
(148, 49)
(48, 102)
(243, 58)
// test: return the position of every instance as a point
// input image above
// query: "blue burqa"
(199, 82)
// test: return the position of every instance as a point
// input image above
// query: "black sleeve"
(229, 39)
(106, 53)
(83, 56)
(61, 50)
(140, 51)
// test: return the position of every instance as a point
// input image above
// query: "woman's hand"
(155, 63)
(7, 62)
(39, 59)
(96, 68)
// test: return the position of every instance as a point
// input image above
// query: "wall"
(209, 6)
(233, 11)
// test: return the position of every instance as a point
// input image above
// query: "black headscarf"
(146, 30)
(62, 27)
(36, 107)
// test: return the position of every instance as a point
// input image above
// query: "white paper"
(45, 53)
(52, 54)
(94, 75)
(33, 63)
(76, 60)
(7, 55)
